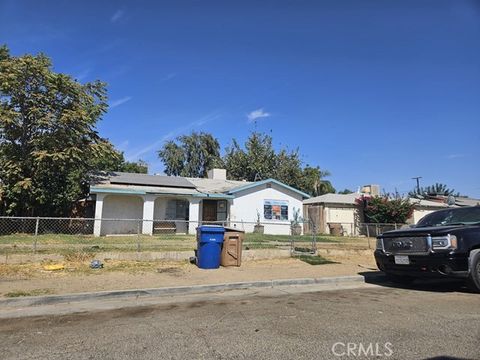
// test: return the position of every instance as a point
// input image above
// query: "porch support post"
(97, 226)
(193, 215)
(148, 209)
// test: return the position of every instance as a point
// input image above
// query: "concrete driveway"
(372, 321)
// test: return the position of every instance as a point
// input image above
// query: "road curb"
(195, 289)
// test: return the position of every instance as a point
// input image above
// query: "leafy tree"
(346, 191)
(139, 167)
(259, 161)
(312, 182)
(48, 140)
(114, 160)
(433, 190)
(386, 210)
(288, 169)
(235, 161)
(191, 155)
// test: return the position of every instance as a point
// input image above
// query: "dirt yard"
(34, 279)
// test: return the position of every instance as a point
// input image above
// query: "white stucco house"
(181, 204)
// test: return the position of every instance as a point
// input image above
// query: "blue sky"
(373, 91)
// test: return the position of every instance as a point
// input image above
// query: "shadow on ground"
(431, 285)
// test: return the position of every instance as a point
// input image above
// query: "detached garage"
(334, 211)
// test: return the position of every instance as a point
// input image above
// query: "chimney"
(217, 174)
(373, 190)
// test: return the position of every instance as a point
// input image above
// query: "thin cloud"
(257, 114)
(123, 145)
(82, 75)
(169, 77)
(119, 102)
(455, 156)
(117, 15)
(175, 132)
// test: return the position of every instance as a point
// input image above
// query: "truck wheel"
(474, 277)
(400, 279)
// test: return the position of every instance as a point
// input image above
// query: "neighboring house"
(465, 201)
(334, 209)
(181, 204)
(330, 209)
(424, 207)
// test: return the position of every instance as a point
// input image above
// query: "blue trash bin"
(209, 246)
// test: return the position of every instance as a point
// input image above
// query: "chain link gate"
(301, 245)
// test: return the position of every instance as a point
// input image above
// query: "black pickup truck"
(443, 243)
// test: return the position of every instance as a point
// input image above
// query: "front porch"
(152, 214)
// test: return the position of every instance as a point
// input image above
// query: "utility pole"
(418, 183)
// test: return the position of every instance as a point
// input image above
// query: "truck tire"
(400, 279)
(474, 276)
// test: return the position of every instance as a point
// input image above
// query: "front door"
(209, 210)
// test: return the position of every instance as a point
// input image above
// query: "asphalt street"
(425, 321)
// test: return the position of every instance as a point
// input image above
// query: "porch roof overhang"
(99, 190)
(141, 190)
(214, 196)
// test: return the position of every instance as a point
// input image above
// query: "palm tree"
(437, 189)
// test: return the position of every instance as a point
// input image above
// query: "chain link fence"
(60, 235)
(362, 229)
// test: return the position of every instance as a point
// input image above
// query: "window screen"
(221, 210)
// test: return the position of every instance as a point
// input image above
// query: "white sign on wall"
(275, 210)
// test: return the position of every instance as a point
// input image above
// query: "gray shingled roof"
(464, 201)
(119, 181)
(164, 184)
(215, 185)
(348, 199)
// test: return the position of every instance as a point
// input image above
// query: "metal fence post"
(368, 235)
(139, 225)
(37, 221)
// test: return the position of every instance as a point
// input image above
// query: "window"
(177, 210)
(221, 210)
(275, 210)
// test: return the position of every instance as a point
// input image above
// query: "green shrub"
(385, 210)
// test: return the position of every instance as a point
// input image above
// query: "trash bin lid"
(229, 228)
(211, 229)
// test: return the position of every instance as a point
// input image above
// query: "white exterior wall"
(420, 213)
(121, 207)
(148, 210)
(195, 214)
(246, 203)
(97, 227)
(343, 215)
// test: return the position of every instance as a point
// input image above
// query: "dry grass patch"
(80, 267)
(35, 292)
(19, 270)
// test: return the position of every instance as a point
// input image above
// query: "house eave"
(268, 181)
(213, 196)
(98, 190)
